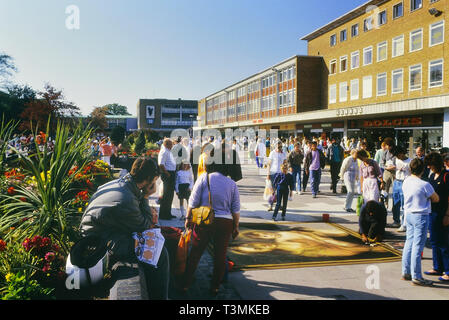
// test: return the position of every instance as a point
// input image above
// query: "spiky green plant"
(6, 134)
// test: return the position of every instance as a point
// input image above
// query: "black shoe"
(283, 218)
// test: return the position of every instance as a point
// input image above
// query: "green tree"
(98, 118)
(115, 109)
(140, 143)
(7, 67)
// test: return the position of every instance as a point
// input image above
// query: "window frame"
(345, 57)
(392, 81)
(430, 86)
(392, 46)
(410, 78)
(372, 57)
(344, 85)
(352, 55)
(333, 61)
(421, 31)
(385, 74)
(346, 35)
(378, 18)
(411, 8)
(393, 11)
(352, 29)
(363, 87)
(431, 27)
(352, 96)
(331, 88)
(385, 43)
(371, 25)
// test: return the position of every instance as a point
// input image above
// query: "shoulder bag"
(204, 215)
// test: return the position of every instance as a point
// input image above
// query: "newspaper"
(148, 246)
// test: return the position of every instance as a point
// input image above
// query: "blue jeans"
(439, 242)
(315, 179)
(282, 199)
(259, 162)
(417, 226)
(296, 173)
(398, 202)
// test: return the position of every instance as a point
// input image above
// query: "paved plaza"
(343, 282)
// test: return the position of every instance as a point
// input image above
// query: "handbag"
(182, 252)
(204, 215)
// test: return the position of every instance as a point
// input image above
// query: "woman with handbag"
(439, 217)
(217, 195)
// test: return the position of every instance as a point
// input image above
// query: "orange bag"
(182, 252)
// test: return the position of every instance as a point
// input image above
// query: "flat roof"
(357, 12)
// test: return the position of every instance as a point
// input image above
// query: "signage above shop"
(349, 111)
(399, 122)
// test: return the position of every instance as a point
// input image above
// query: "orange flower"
(11, 191)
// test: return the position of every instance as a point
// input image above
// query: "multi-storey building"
(267, 100)
(382, 73)
(386, 64)
(164, 115)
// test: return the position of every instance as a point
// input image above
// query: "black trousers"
(305, 180)
(335, 172)
(167, 195)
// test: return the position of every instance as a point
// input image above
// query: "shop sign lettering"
(401, 122)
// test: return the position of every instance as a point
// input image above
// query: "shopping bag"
(182, 252)
(268, 192)
(272, 199)
(359, 205)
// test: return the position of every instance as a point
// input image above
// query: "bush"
(139, 148)
(118, 135)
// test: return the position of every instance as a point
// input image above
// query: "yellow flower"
(8, 277)
(80, 210)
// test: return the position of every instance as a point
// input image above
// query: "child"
(184, 185)
(283, 186)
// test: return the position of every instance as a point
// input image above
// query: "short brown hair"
(416, 166)
(362, 154)
(144, 169)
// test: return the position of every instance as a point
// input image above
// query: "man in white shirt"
(402, 172)
(275, 160)
(167, 165)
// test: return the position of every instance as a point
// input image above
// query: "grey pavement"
(346, 282)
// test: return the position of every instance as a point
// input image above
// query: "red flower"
(27, 244)
(2, 245)
(50, 256)
(23, 199)
(46, 268)
(11, 191)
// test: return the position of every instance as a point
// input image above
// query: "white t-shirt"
(417, 194)
(276, 158)
(166, 158)
(402, 168)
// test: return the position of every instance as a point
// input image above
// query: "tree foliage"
(139, 148)
(115, 109)
(98, 118)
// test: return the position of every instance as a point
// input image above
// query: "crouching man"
(120, 208)
(372, 222)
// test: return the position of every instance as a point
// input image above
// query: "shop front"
(321, 130)
(409, 132)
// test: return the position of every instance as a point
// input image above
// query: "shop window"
(415, 77)
(436, 73)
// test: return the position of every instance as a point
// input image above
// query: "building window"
(398, 46)
(332, 93)
(333, 67)
(436, 73)
(355, 30)
(355, 60)
(415, 77)
(354, 89)
(368, 24)
(343, 64)
(398, 10)
(367, 87)
(343, 35)
(382, 51)
(382, 18)
(416, 40)
(382, 84)
(397, 80)
(433, 1)
(343, 92)
(367, 56)
(333, 40)
(436, 33)
(415, 5)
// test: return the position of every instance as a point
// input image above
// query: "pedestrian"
(295, 160)
(305, 176)
(184, 185)
(283, 185)
(388, 161)
(402, 172)
(167, 165)
(95, 151)
(120, 208)
(350, 173)
(439, 217)
(275, 160)
(225, 202)
(314, 163)
(260, 152)
(420, 154)
(379, 155)
(372, 222)
(335, 156)
(418, 195)
(370, 174)
(364, 146)
(106, 150)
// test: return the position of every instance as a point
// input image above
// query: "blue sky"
(126, 50)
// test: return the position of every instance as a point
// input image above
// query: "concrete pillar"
(446, 128)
